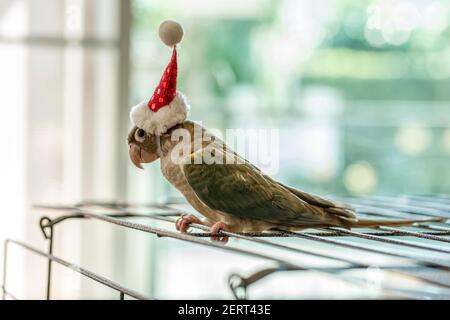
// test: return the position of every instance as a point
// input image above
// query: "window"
(62, 91)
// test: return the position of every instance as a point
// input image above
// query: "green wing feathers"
(243, 191)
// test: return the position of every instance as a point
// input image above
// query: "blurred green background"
(359, 89)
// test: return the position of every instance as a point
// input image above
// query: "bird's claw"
(216, 228)
(184, 222)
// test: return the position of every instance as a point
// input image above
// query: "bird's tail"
(368, 223)
(343, 215)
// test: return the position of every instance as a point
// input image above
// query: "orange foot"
(184, 222)
(216, 228)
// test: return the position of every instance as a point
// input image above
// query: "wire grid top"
(419, 253)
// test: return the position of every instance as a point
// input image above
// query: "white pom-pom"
(170, 32)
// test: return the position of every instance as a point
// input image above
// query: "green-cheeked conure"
(231, 193)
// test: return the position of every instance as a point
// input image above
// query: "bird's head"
(166, 108)
(143, 147)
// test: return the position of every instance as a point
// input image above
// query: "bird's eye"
(139, 135)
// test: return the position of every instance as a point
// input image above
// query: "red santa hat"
(167, 107)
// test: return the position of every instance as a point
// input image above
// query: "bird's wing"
(241, 190)
(340, 209)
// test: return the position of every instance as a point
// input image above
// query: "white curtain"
(62, 138)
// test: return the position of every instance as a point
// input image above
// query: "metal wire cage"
(418, 253)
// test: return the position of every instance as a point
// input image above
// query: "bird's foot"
(216, 228)
(184, 222)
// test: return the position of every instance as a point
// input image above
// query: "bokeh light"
(393, 22)
(360, 178)
(413, 139)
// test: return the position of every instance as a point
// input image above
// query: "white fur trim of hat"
(159, 122)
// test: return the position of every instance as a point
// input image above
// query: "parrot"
(236, 196)
(232, 195)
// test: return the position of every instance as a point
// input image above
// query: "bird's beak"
(139, 155)
(135, 155)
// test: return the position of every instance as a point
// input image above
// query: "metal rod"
(47, 229)
(128, 214)
(239, 285)
(437, 198)
(8, 294)
(399, 233)
(416, 234)
(303, 234)
(269, 243)
(399, 207)
(180, 236)
(89, 274)
(344, 231)
(384, 208)
(49, 264)
(358, 246)
(188, 238)
(5, 266)
(445, 228)
(353, 264)
(429, 205)
(389, 240)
